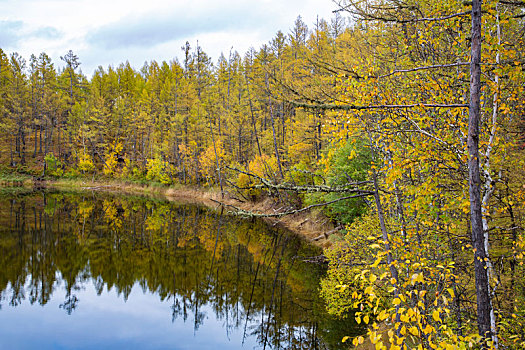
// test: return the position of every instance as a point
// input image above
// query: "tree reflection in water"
(249, 274)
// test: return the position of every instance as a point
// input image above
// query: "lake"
(93, 270)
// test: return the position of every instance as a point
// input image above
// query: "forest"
(404, 120)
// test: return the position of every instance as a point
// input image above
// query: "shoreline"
(312, 225)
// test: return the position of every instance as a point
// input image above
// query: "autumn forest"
(401, 121)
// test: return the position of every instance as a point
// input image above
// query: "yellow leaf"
(435, 316)
(345, 339)
(376, 263)
(382, 316)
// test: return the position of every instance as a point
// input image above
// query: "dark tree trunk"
(40, 141)
(36, 139)
(275, 146)
(480, 265)
(253, 116)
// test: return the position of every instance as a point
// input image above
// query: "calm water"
(96, 271)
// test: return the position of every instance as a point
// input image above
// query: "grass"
(14, 177)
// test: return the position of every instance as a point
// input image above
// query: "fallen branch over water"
(326, 234)
(245, 213)
(96, 188)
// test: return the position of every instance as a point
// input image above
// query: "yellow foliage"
(261, 166)
(111, 160)
(158, 170)
(212, 160)
(300, 152)
(85, 163)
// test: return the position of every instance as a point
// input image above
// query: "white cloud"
(106, 32)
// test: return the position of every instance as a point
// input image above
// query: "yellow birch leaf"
(435, 316)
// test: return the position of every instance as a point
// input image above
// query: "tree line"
(168, 121)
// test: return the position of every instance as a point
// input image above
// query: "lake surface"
(100, 271)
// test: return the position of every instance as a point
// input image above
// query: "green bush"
(54, 166)
(349, 163)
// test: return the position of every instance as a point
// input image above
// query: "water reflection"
(108, 264)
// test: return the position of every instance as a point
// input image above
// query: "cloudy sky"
(104, 32)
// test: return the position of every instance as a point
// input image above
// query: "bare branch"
(347, 107)
(372, 17)
(512, 3)
(242, 212)
(424, 68)
(347, 188)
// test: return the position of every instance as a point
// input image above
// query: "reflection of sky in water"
(109, 322)
(222, 267)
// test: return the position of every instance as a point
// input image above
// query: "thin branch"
(369, 16)
(347, 107)
(512, 3)
(242, 212)
(424, 68)
(305, 189)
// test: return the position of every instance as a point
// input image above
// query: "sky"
(109, 32)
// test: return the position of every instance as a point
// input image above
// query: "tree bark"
(484, 306)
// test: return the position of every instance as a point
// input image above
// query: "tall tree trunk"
(252, 115)
(40, 140)
(276, 149)
(217, 161)
(484, 305)
(36, 138)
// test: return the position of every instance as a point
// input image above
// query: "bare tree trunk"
(275, 142)
(393, 270)
(217, 161)
(40, 141)
(484, 305)
(276, 149)
(11, 162)
(36, 139)
(252, 114)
